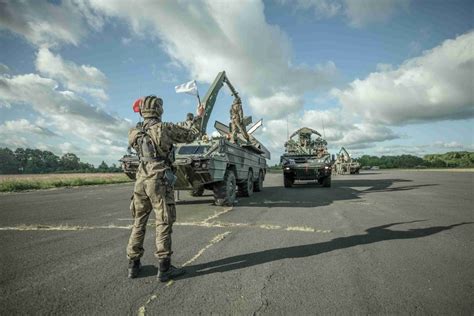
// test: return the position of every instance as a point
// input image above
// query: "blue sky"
(382, 77)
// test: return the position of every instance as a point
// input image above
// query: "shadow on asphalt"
(312, 194)
(372, 235)
(147, 271)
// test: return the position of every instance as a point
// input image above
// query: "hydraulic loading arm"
(210, 98)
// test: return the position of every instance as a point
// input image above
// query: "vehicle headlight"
(326, 167)
(287, 168)
(204, 165)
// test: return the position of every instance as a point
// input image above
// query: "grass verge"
(52, 181)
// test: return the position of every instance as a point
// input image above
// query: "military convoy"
(216, 164)
(306, 159)
(344, 163)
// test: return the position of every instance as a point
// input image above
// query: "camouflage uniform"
(237, 118)
(153, 188)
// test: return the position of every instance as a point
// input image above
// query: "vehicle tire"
(225, 191)
(288, 181)
(246, 188)
(197, 191)
(258, 185)
(327, 182)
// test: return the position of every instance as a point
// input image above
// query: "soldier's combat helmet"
(151, 107)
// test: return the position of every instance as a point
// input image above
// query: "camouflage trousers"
(237, 127)
(151, 195)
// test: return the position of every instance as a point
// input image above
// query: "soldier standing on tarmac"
(237, 119)
(154, 185)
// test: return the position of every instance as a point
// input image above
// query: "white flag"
(188, 87)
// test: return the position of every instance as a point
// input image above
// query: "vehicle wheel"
(258, 185)
(225, 191)
(327, 182)
(288, 181)
(197, 191)
(246, 189)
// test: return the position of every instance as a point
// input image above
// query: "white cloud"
(435, 86)
(453, 145)
(363, 12)
(45, 23)
(358, 13)
(81, 79)
(23, 126)
(207, 37)
(71, 116)
(321, 8)
(276, 105)
(126, 41)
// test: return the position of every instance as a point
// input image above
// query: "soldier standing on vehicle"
(189, 121)
(237, 119)
(153, 190)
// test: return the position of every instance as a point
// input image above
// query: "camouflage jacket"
(236, 112)
(163, 135)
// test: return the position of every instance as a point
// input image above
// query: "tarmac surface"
(384, 242)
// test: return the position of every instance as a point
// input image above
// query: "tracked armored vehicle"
(306, 159)
(228, 169)
(344, 163)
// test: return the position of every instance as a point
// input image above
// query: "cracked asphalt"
(385, 242)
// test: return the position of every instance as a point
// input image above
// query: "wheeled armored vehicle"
(306, 159)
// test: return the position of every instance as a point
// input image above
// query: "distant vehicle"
(215, 163)
(374, 168)
(344, 163)
(306, 159)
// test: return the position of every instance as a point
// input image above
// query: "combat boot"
(134, 267)
(167, 271)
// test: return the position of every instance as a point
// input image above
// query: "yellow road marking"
(215, 240)
(216, 224)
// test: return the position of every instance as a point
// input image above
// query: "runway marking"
(217, 214)
(215, 240)
(61, 227)
(215, 224)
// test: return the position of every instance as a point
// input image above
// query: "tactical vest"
(148, 150)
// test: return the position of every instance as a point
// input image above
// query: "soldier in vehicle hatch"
(237, 119)
(153, 142)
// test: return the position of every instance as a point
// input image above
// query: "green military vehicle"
(306, 159)
(215, 163)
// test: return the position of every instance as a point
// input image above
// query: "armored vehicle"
(216, 163)
(306, 159)
(344, 163)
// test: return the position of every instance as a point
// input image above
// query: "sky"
(379, 77)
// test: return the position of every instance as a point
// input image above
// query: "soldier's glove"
(170, 178)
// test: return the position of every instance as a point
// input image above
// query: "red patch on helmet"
(136, 105)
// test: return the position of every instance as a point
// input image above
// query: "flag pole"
(199, 99)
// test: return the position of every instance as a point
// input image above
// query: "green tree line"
(458, 159)
(42, 161)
